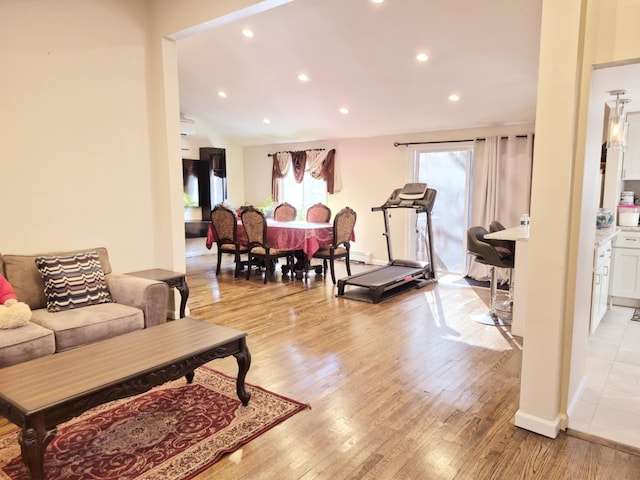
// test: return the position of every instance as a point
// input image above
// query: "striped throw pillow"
(73, 281)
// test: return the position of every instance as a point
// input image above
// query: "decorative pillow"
(73, 281)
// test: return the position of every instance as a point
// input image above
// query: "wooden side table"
(175, 280)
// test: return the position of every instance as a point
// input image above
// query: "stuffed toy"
(13, 314)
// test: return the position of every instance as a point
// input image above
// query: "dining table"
(301, 235)
(295, 235)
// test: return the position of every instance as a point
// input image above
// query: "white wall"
(89, 126)
(611, 37)
(371, 169)
(73, 126)
(575, 36)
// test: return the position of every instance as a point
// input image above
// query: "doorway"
(204, 186)
(447, 169)
(605, 364)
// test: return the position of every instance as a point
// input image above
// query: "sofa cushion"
(25, 278)
(73, 281)
(25, 343)
(89, 324)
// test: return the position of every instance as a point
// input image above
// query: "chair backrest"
(343, 224)
(487, 252)
(495, 226)
(255, 224)
(285, 212)
(318, 213)
(475, 241)
(510, 245)
(225, 224)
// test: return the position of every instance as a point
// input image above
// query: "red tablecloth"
(297, 235)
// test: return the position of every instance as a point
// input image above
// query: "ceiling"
(361, 55)
(619, 77)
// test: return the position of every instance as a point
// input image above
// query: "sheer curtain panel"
(501, 187)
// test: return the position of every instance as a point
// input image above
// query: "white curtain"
(501, 187)
(315, 159)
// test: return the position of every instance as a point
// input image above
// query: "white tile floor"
(610, 404)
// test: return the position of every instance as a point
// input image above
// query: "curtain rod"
(397, 144)
(294, 151)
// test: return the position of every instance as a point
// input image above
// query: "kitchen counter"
(512, 233)
(606, 234)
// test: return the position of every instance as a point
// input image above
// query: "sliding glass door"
(446, 168)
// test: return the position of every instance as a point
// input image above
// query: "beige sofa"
(136, 303)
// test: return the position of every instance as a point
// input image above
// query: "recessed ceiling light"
(247, 32)
(303, 77)
(454, 98)
(377, 1)
(422, 57)
(266, 120)
(222, 93)
(344, 110)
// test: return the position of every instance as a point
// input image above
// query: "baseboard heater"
(360, 257)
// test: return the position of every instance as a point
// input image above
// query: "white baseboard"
(363, 257)
(548, 428)
(625, 302)
(576, 397)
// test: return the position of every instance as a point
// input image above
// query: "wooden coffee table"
(42, 393)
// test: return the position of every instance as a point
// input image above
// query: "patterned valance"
(319, 164)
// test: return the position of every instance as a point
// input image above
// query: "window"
(448, 170)
(303, 195)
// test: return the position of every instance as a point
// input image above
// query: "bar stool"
(495, 256)
(496, 226)
(510, 245)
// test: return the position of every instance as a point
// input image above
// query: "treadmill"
(398, 275)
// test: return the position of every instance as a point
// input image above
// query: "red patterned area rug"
(172, 432)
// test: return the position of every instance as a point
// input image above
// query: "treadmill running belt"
(381, 276)
(376, 285)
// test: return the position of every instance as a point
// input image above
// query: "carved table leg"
(244, 362)
(183, 288)
(189, 376)
(33, 443)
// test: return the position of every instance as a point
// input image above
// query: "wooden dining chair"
(285, 212)
(259, 252)
(343, 224)
(225, 227)
(318, 213)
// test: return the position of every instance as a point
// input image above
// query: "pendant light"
(617, 136)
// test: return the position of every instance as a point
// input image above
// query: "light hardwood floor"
(410, 388)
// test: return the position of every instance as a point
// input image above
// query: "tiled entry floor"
(610, 404)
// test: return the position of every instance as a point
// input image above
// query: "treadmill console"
(413, 191)
(412, 195)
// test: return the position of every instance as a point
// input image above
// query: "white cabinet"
(600, 288)
(626, 263)
(631, 162)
